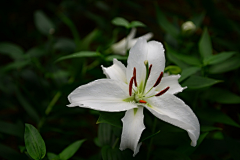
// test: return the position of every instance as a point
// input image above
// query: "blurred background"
(48, 48)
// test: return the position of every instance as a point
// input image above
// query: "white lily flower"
(140, 85)
(125, 44)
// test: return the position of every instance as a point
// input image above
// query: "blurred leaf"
(173, 69)
(43, 23)
(14, 66)
(105, 135)
(71, 150)
(12, 129)
(89, 39)
(165, 154)
(222, 96)
(197, 82)
(209, 128)
(111, 57)
(214, 59)
(12, 50)
(187, 149)
(10, 154)
(79, 55)
(52, 156)
(228, 65)
(154, 134)
(72, 27)
(112, 118)
(197, 19)
(36, 52)
(233, 147)
(34, 143)
(135, 24)
(109, 153)
(119, 21)
(65, 44)
(188, 72)
(205, 45)
(215, 116)
(29, 109)
(185, 58)
(218, 135)
(165, 24)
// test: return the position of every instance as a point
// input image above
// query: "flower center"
(139, 94)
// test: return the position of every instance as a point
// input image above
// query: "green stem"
(53, 102)
(151, 141)
(115, 143)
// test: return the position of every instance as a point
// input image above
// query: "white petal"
(137, 56)
(117, 71)
(155, 57)
(132, 129)
(102, 95)
(173, 110)
(147, 36)
(122, 46)
(172, 82)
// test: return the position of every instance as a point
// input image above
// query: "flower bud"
(188, 27)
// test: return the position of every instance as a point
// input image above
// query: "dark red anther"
(130, 86)
(142, 101)
(134, 76)
(149, 70)
(162, 92)
(159, 79)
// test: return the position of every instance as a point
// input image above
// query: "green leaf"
(197, 19)
(222, 96)
(185, 58)
(79, 55)
(165, 24)
(34, 143)
(173, 69)
(135, 24)
(165, 154)
(65, 45)
(12, 50)
(119, 21)
(197, 82)
(216, 116)
(15, 65)
(188, 72)
(205, 45)
(71, 150)
(154, 134)
(109, 153)
(52, 156)
(84, 45)
(228, 65)
(209, 128)
(111, 118)
(214, 59)
(43, 23)
(12, 129)
(105, 134)
(29, 109)
(187, 149)
(111, 57)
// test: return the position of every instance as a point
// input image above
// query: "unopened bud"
(188, 27)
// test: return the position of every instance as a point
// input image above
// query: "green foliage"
(47, 53)
(35, 145)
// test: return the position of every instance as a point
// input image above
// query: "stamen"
(159, 79)
(130, 86)
(162, 92)
(142, 101)
(149, 70)
(134, 75)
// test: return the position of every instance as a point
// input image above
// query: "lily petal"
(137, 56)
(173, 110)
(147, 36)
(155, 56)
(172, 82)
(132, 129)
(102, 95)
(117, 71)
(123, 45)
